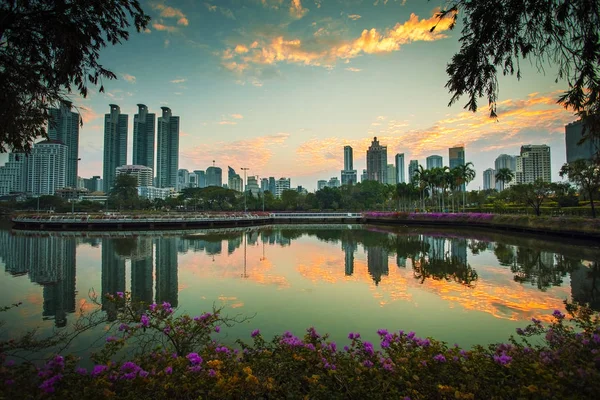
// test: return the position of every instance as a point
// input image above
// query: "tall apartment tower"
(576, 151)
(434, 162)
(167, 149)
(413, 167)
(391, 174)
(489, 179)
(348, 173)
(400, 168)
(63, 126)
(13, 175)
(47, 167)
(533, 164)
(505, 161)
(143, 137)
(115, 144)
(377, 162)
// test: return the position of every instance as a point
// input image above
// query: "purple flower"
(143, 374)
(333, 346)
(217, 329)
(313, 333)
(353, 336)
(194, 358)
(368, 347)
(382, 332)
(121, 294)
(111, 339)
(123, 327)
(9, 382)
(166, 305)
(48, 385)
(145, 321)
(255, 333)
(503, 359)
(167, 330)
(99, 369)
(212, 373)
(368, 363)
(152, 307)
(410, 335)
(440, 358)
(346, 348)
(558, 314)
(169, 370)
(130, 366)
(596, 338)
(310, 346)
(520, 331)
(82, 371)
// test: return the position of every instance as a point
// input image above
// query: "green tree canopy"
(585, 175)
(50, 49)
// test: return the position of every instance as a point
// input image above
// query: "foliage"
(504, 175)
(556, 360)
(532, 195)
(124, 194)
(49, 50)
(498, 35)
(586, 175)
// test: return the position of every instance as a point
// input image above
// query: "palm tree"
(504, 175)
(422, 176)
(465, 174)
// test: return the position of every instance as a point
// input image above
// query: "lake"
(460, 286)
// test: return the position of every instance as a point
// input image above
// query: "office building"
(576, 151)
(489, 179)
(115, 145)
(142, 174)
(400, 168)
(533, 164)
(167, 285)
(348, 173)
(93, 184)
(456, 156)
(391, 174)
(167, 149)
(183, 179)
(13, 175)
(214, 176)
(509, 162)
(281, 185)
(151, 192)
(377, 162)
(113, 276)
(47, 165)
(143, 137)
(413, 167)
(272, 185)
(252, 186)
(333, 182)
(364, 176)
(234, 181)
(264, 184)
(200, 179)
(321, 184)
(142, 268)
(434, 161)
(63, 126)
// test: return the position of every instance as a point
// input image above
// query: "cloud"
(354, 17)
(268, 50)
(162, 27)
(169, 12)
(183, 21)
(167, 43)
(227, 123)
(296, 9)
(241, 49)
(210, 7)
(227, 12)
(351, 69)
(236, 116)
(178, 80)
(88, 114)
(128, 78)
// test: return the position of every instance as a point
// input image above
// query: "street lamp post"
(244, 187)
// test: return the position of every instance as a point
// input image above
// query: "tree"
(531, 194)
(497, 35)
(465, 174)
(124, 194)
(48, 49)
(586, 175)
(504, 175)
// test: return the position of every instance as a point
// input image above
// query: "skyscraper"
(183, 179)
(413, 167)
(322, 183)
(143, 137)
(167, 149)
(348, 173)
(533, 164)
(115, 145)
(456, 156)
(489, 179)
(391, 174)
(434, 162)
(272, 185)
(234, 181)
(167, 286)
(505, 161)
(364, 176)
(141, 173)
(576, 151)
(400, 168)
(264, 184)
(63, 126)
(13, 175)
(281, 185)
(214, 176)
(377, 162)
(200, 178)
(47, 165)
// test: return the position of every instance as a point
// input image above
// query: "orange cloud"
(237, 116)
(161, 27)
(183, 21)
(354, 17)
(296, 9)
(128, 78)
(168, 12)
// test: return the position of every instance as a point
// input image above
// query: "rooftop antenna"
(213, 163)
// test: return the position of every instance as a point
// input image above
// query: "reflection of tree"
(478, 246)
(585, 285)
(505, 254)
(449, 268)
(125, 247)
(541, 269)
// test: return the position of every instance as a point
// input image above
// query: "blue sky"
(280, 86)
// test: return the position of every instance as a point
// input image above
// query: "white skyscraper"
(280, 185)
(533, 164)
(505, 161)
(47, 166)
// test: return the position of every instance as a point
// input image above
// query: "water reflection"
(441, 262)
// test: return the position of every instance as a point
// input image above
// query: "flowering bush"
(562, 363)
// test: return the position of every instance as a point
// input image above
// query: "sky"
(281, 86)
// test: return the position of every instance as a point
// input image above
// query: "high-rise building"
(349, 248)
(167, 287)
(533, 164)
(456, 156)
(505, 161)
(214, 176)
(364, 176)
(142, 173)
(272, 185)
(377, 162)
(234, 181)
(576, 151)
(143, 137)
(47, 165)
(183, 179)
(13, 175)
(434, 161)
(63, 126)
(115, 145)
(489, 179)
(200, 178)
(333, 182)
(113, 276)
(167, 149)
(142, 268)
(321, 184)
(93, 184)
(348, 173)
(413, 167)
(400, 168)
(391, 174)
(281, 185)
(252, 186)
(264, 184)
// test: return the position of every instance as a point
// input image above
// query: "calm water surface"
(457, 286)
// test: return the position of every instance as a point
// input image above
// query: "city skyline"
(288, 86)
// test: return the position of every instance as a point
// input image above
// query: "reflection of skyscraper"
(377, 262)
(458, 250)
(167, 288)
(234, 243)
(141, 272)
(113, 274)
(349, 249)
(213, 248)
(400, 261)
(437, 247)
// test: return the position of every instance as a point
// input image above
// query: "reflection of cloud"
(274, 48)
